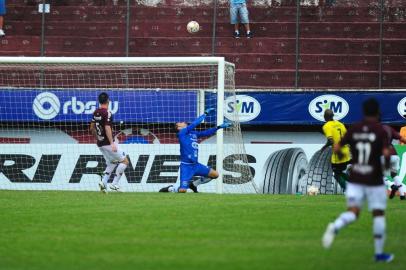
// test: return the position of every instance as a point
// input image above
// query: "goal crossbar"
(113, 60)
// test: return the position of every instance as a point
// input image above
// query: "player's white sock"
(107, 173)
(397, 181)
(379, 233)
(402, 190)
(344, 219)
(201, 181)
(386, 181)
(119, 172)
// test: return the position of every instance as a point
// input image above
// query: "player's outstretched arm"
(337, 150)
(386, 155)
(195, 123)
(329, 142)
(211, 131)
(225, 125)
(209, 111)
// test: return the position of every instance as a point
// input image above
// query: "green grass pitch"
(89, 230)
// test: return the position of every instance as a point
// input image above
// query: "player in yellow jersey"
(403, 132)
(335, 130)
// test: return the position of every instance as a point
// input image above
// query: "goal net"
(47, 105)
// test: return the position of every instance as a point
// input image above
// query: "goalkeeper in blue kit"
(189, 153)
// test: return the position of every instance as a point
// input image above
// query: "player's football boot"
(115, 188)
(384, 257)
(328, 236)
(102, 187)
(402, 198)
(394, 188)
(193, 187)
(236, 34)
(2, 34)
(250, 35)
(165, 189)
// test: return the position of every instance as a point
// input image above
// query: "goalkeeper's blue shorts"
(187, 171)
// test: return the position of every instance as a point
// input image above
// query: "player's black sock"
(394, 188)
(165, 189)
(193, 187)
(402, 197)
(341, 179)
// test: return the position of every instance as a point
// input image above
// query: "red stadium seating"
(339, 45)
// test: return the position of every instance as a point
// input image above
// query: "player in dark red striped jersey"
(101, 127)
(368, 142)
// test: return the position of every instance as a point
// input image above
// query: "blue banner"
(168, 106)
(307, 108)
(141, 106)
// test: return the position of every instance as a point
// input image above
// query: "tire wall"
(288, 171)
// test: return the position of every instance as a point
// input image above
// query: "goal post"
(48, 102)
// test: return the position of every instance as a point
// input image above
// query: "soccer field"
(88, 230)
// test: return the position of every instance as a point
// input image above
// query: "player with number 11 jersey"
(368, 143)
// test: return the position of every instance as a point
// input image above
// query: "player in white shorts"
(101, 127)
(394, 164)
(368, 142)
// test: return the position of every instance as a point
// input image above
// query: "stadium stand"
(339, 44)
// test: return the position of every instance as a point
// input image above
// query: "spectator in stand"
(239, 14)
(2, 12)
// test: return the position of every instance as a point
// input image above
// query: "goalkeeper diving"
(189, 153)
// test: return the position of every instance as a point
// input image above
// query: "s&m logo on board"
(402, 106)
(241, 108)
(335, 103)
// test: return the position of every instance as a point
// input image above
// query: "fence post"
(381, 7)
(297, 44)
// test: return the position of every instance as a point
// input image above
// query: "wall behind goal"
(79, 166)
(277, 168)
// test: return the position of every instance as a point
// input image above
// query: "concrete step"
(162, 29)
(203, 45)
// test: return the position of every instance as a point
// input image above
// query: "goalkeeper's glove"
(225, 125)
(209, 110)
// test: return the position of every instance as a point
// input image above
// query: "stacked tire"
(320, 174)
(283, 171)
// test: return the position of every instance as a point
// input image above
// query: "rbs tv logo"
(47, 106)
(335, 103)
(242, 108)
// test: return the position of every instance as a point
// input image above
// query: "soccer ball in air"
(312, 190)
(193, 27)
